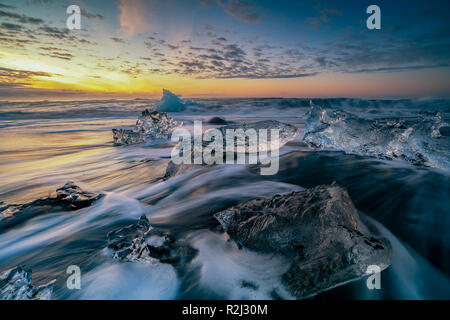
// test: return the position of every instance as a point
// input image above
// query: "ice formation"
(15, 284)
(140, 242)
(316, 229)
(150, 127)
(171, 102)
(286, 133)
(69, 197)
(418, 141)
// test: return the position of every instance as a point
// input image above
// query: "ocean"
(45, 144)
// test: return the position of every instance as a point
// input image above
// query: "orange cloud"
(134, 16)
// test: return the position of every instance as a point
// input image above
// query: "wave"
(242, 106)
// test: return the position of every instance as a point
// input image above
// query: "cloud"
(61, 34)
(207, 27)
(228, 60)
(133, 16)
(16, 36)
(20, 17)
(13, 78)
(55, 32)
(90, 15)
(241, 10)
(331, 11)
(389, 53)
(233, 52)
(404, 68)
(173, 18)
(212, 57)
(216, 53)
(324, 17)
(6, 6)
(27, 93)
(60, 55)
(315, 23)
(117, 40)
(11, 26)
(270, 75)
(206, 4)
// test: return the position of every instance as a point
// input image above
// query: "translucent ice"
(171, 102)
(15, 284)
(418, 140)
(150, 127)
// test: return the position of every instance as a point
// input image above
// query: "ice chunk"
(286, 133)
(150, 127)
(316, 230)
(418, 141)
(15, 284)
(171, 102)
(69, 197)
(140, 242)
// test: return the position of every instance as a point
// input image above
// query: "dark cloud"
(117, 40)
(13, 78)
(241, 10)
(11, 26)
(21, 74)
(133, 70)
(25, 92)
(324, 62)
(206, 4)
(90, 15)
(405, 68)
(62, 34)
(207, 27)
(16, 36)
(221, 59)
(389, 53)
(356, 51)
(20, 17)
(13, 85)
(323, 18)
(42, 1)
(59, 33)
(233, 51)
(60, 55)
(294, 53)
(314, 22)
(269, 75)
(331, 11)
(6, 6)
(48, 48)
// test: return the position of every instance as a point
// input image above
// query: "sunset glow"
(208, 48)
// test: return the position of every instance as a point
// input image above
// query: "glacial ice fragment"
(68, 198)
(286, 133)
(140, 242)
(171, 102)
(151, 127)
(316, 229)
(418, 141)
(15, 284)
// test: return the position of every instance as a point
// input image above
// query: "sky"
(224, 48)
